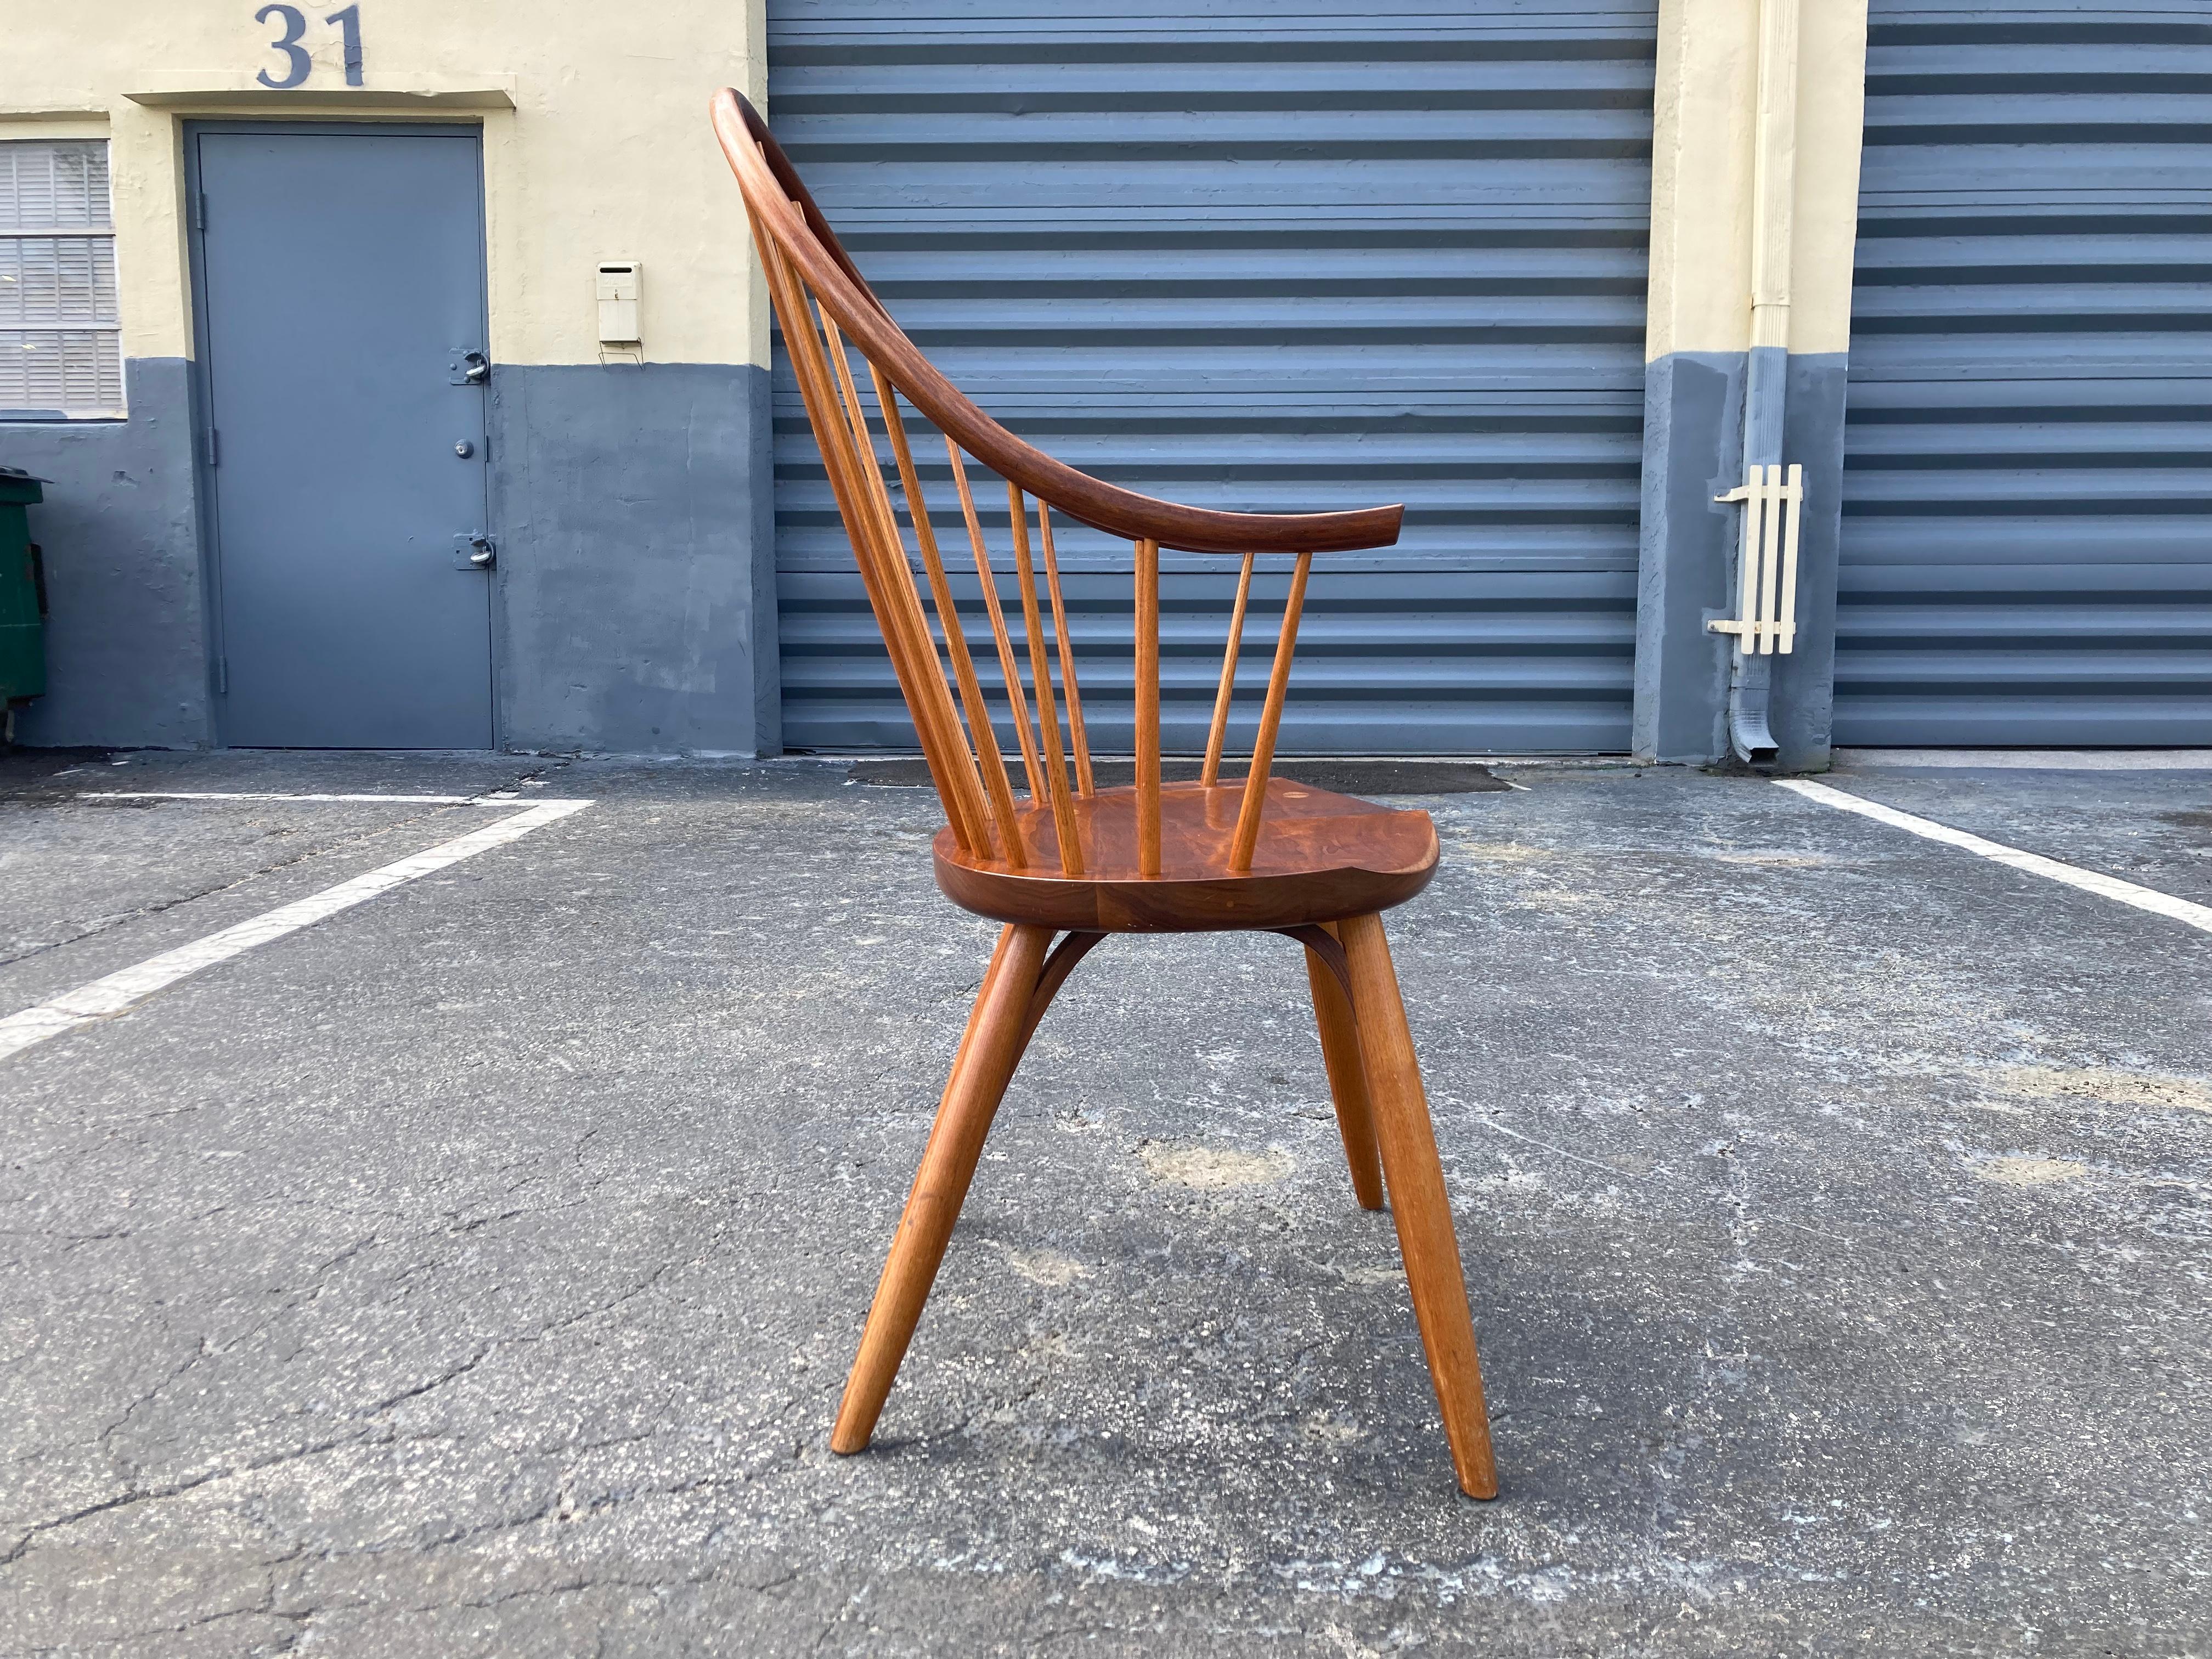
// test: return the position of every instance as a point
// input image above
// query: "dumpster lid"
(18, 472)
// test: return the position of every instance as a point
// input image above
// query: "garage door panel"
(1264, 185)
(1888, 720)
(1513, 487)
(1420, 653)
(1268, 258)
(2027, 488)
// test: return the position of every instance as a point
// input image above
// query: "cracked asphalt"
(474, 1272)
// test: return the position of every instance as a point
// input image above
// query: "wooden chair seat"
(1321, 857)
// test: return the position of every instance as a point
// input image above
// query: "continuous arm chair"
(1068, 859)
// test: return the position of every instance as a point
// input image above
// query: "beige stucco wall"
(596, 144)
(1702, 174)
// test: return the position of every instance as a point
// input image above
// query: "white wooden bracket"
(1766, 572)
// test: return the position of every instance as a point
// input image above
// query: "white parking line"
(2089, 881)
(497, 799)
(2031, 760)
(118, 993)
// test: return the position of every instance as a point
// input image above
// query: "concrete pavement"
(474, 1272)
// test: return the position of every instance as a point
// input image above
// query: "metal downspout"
(1774, 168)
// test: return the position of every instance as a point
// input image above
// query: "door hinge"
(199, 210)
(214, 448)
(223, 677)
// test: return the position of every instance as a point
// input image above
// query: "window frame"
(111, 326)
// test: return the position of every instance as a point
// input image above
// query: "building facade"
(402, 377)
(255, 526)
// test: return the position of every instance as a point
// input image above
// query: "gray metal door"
(341, 279)
(2028, 505)
(1266, 254)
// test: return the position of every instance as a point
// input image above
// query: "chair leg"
(1347, 1082)
(985, 1065)
(1418, 1203)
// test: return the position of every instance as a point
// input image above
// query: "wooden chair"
(1072, 860)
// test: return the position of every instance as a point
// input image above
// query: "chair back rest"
(827, 313)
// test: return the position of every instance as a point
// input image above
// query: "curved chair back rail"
(780, 205)
(1252, 854)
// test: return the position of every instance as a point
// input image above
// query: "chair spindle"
(982, 735)
(796, 314)
(1217, 733)
(1148, 708)
(1270, 721)
(936, 710)
(1015, 701)
(1077, 738)
(1055, 768)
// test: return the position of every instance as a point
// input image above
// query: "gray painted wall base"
(636, 589)
(1692, 452)
(126, 642)
(635, 600)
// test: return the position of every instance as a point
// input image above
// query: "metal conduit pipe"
(1774, 177)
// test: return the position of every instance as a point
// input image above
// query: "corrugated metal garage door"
(2027, 507)
(1260, 254)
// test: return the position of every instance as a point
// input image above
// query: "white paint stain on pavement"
(2030, 1171)
(2105, 1086)
(1043, 1266)
(1210, 1169)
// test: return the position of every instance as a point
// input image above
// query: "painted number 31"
(297, 65)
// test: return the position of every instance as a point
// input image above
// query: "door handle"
(474, 367)
(475, 551)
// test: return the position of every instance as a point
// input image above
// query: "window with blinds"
(61, 350)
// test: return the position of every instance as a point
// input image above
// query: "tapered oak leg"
(1347, 1082)
(1418, 1203)
(980, 1074)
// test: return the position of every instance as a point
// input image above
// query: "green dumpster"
(22, 592)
